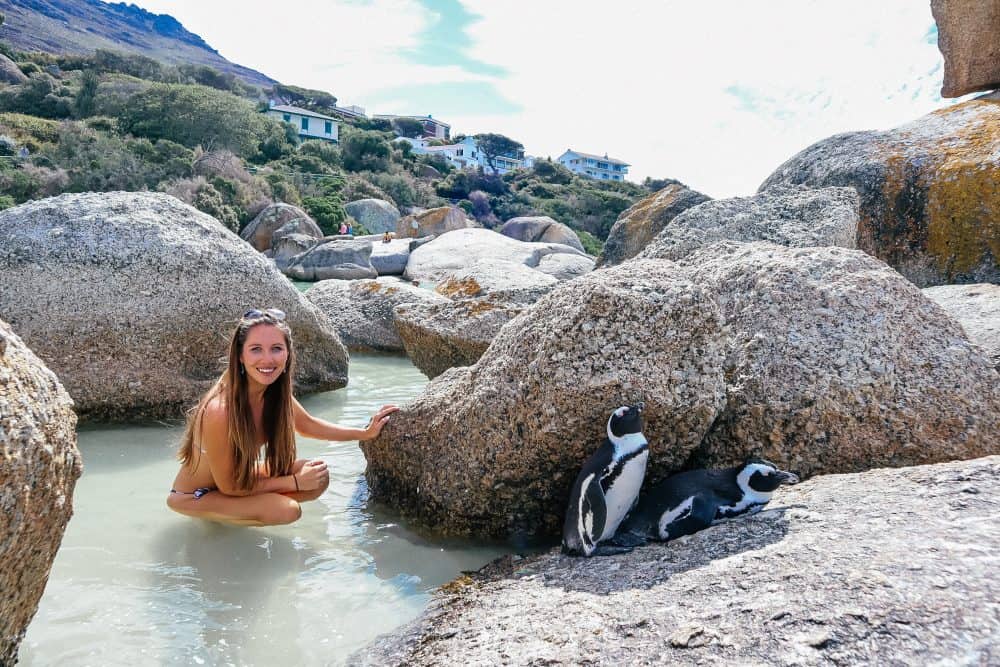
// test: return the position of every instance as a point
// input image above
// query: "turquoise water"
(136, 584)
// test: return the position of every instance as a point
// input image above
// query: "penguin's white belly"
(622, 494)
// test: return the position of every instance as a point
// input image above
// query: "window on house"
(287, 117)
(305, 123)
(328, 128)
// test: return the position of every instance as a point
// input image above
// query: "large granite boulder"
(130, 298)
(259, 231)
(794, 216)
(376, 215)
(541, 229)
(285, 249)
(565, 266)
(390, 259)
(434, 221)
(362, 310)
(967, 38)
(340, 259)
(40, 466)
(480, 300)
(640, 223)
(493, 449)
(10, 72)
(977, 309)
(930, 207)
(887, 567)
(839, 364)
(465, 248)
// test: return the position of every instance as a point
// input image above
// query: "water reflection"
(136, 583)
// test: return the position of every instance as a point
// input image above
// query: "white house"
(311, 125)
(465, 154)
(594, 166)
(433, 128)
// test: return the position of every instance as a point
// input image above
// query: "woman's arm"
(320, 429)
(219, 453)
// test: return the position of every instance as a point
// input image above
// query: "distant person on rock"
(237, 456)
(350, 229)
(387, 238)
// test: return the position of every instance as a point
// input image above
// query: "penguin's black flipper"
(700, 516)
(595, 508)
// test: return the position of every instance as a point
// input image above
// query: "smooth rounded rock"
(130, 298)
(340, 259)
(565, 266)
(641, 222)
(977, 309)
(376, 215)
(362, 310)
(259, 231)
(794, 216)
(390, 259)
(434, 221)
(839, 364)
(541, 229)
(465, 248)
(929, 204)
(39, 466)
(493, 449)
(967, 38)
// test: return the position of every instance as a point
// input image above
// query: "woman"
(252, 406)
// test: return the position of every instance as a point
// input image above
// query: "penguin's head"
(626, 420)
(764, 477)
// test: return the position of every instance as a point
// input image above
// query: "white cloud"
(645, 81)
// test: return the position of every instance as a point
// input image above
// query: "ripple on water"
(135, 583)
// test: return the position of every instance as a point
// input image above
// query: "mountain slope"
(81, 26)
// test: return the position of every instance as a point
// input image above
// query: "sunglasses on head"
(273, 313)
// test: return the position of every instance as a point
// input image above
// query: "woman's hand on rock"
(313, 475)
(378, 421)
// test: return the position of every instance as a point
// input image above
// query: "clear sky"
(714, 93)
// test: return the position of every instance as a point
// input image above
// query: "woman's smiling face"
(264, 354)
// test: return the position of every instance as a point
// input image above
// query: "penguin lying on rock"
(608, 486)
(689, 501)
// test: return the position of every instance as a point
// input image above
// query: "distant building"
(350, 112)
(466, 154)
(311, 125)
(594, 166)
(433, 129)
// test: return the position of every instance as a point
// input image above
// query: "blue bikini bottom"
(197, 493)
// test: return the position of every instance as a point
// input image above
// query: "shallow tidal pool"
(134, 583)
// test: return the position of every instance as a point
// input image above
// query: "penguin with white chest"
(690, 501)
(608, 486)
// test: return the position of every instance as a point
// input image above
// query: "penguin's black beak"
(788, 477)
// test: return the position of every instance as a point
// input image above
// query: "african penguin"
(608, 486)
(689, 501)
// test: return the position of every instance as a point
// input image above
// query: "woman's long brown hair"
(278, 419)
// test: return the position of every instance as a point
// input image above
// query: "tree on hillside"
(494, 145)
(86, 97)
(365, 150)
(408, 127)
(195, 115)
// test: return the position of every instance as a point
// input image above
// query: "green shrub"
(328, 212)
(41, 95)
(364, 150)
(591, 244)
(6, 201)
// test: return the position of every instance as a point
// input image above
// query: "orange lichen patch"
(372, 287)
(480, 307)
(453, 287)
(963, 216)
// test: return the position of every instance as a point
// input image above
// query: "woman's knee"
(281, 512)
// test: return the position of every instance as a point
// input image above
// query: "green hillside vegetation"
(111, 121)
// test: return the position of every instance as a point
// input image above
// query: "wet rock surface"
(362, 310)
(839, 364)
(130, 298)
(929, 206)
(977, 309)
(39, 466)
(892, 566)
(639, 224)
(535, 405)
(785, 215)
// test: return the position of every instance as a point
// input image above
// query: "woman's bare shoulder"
(214, 417)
